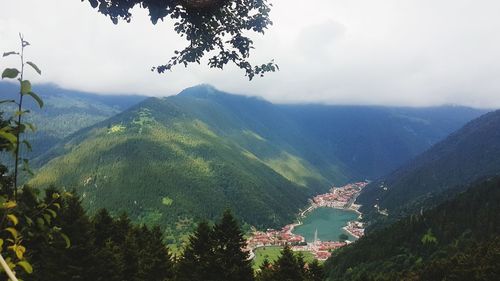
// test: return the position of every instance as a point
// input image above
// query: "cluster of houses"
(321, 250)
(273, 237)
(338, 197)
(355, 228)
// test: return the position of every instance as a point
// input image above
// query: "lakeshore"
(341, 198)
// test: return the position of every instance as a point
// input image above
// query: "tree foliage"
(214, 28)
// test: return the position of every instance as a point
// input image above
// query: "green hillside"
(162, 165)
(64, 112)
(180, 159)
(457, 240)
(467, 155)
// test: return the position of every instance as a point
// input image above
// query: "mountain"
(469, 154)
(64, 112)
(179, 159)
(457, 240)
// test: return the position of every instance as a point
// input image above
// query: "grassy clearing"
(272, 253)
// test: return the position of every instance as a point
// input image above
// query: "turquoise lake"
(327, 221)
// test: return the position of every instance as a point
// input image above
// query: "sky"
(385, 52)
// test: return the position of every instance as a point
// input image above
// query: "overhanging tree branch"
(210, 26)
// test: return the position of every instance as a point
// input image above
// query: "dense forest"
(103, 247)
(457, 240)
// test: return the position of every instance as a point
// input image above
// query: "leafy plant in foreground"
(29, 218)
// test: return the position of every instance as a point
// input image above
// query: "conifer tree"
(103, 228)
(155, 262)
(287, 268)
(232, 262)
(197, 260)
(265, 271)
(109, 265)
(129, 254)
(315, 271)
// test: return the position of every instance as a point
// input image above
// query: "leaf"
(13, 219)
(28, 145)
(1, 244)
(66, 239)
(10, 73)
(35, 67)
(52, 213)
(40, 222)
(10, 53)
(9, 205)
(26, 166)
(29, 221)
(25, 86)
(12, 231)
(36, 98)
(20, 250)
(7, 101)
(31, 126)
(8, 136)
(47, 218)
(26, 266)
(57, 205)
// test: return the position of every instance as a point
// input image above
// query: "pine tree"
(197, 260)
(315, 272)
(155, 261)
(129, 253)
(109, 264)
(265, 271)
(103, 228)
(232, 262)
(287, 268)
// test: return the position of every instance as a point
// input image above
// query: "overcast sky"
(387, 52)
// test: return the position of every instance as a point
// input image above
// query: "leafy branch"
(217, 27)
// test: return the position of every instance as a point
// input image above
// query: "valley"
(249, 140)
(203, 150)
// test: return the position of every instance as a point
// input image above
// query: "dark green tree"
(265, 271)
(231, 261)
(287, 268)
(103, 228)
(197, 261)
(129, 252)
(315, 272)
(155, 261)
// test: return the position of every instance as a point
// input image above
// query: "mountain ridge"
(465, 156)
(231, 151)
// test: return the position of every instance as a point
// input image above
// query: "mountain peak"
(200, 91)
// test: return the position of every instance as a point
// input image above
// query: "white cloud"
(413, 52)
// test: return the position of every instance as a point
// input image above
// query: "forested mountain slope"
(468, 154)
(64, 112)
(187, 157)
(457, 240)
